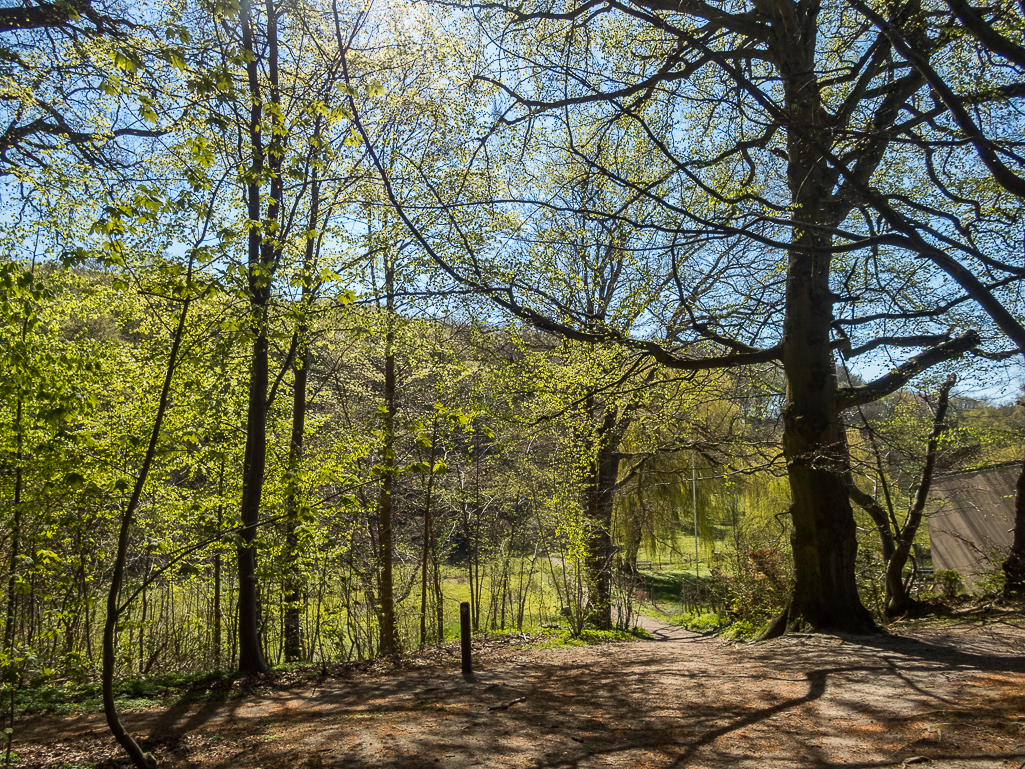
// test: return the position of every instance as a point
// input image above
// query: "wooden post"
(464, 636)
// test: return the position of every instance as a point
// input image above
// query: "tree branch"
(848, 397)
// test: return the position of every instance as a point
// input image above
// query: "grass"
(677, 555)
(68, 698)
(543, 602)
(703, 621)
(673, 591)
(700, 621)
(566, 639)
(542, 598)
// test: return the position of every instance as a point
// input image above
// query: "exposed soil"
(951, 697)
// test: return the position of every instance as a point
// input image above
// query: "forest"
(319, 318)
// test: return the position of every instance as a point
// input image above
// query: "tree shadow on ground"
(689, 702)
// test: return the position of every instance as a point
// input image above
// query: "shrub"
(947, 582)
(759, 591)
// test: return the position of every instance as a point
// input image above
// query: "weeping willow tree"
(709, 467)
(735, 510)
(656, 502)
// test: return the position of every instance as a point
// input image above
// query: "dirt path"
(954, 696)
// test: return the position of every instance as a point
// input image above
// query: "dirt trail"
(954, 696)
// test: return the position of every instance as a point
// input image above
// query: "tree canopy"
(307, 303)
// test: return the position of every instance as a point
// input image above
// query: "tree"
(988, 135)
(897, 538)
(272, 79)
(772, 146)
(115, 607)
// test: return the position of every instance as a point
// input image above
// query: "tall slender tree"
(272, 77)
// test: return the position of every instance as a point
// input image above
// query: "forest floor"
(950, 697)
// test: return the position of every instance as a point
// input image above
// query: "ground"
(949, 697)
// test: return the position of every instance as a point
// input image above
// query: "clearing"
(946, 697)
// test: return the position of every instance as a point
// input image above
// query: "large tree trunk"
(825, 596)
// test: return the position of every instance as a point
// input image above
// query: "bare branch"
(848, 397)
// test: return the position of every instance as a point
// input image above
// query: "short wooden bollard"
(464, 637)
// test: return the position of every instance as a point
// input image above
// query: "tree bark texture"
(293, 588)
(389, 638)
(825, 595)
(600, 501)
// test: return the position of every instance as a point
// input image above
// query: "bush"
(743, 630)
(947, 582)
(759, 591)
(992, 580)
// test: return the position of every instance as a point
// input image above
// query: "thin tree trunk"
(897, 539)
(428, 530)
(468, 536)
(12, 604)
(217, 576)
(114, 610)
(292, 586)
(142, 618)
(262, 253)
(439, 598)
(12, 580)
(10, 619)
(389, 638)
(250, 648)
(899, 601)
(301, 366)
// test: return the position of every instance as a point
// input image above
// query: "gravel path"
(949, 698)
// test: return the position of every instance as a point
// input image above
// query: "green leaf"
(48, 555)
